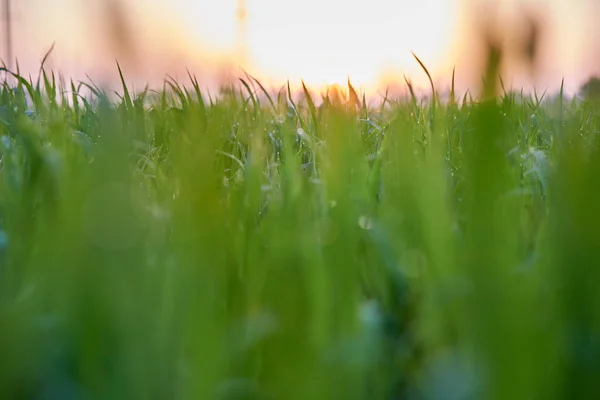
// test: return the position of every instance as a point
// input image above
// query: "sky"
(318, 41)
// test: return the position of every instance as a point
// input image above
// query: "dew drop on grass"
(365, 222)
(304, 136)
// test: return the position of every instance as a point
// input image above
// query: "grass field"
(171, 246)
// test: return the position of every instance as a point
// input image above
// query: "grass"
(248, 246)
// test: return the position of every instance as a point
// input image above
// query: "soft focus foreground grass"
(171, 246)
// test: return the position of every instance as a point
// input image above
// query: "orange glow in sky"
(325, 41)
(319, 41)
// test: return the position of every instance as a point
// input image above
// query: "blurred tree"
(118, 24)
(8, 33)
(591, 89)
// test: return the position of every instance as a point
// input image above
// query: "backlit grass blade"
(311, 107)
(126, 95)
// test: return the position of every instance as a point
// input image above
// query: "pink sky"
(320, 41)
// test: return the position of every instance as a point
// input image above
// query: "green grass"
(171, 245)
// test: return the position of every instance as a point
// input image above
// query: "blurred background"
(320, 41)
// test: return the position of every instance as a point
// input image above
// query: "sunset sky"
(320, 41)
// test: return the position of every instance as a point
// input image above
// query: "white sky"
(320, 41)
